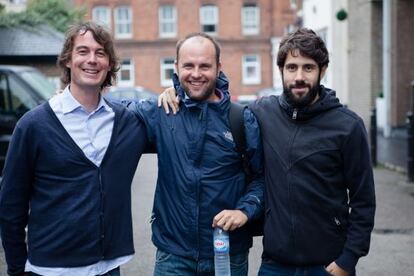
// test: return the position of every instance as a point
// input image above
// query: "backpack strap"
(236, 118)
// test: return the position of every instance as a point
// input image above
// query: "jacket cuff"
(347, 261)
(247, 212)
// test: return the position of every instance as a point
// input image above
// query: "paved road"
(392, 248)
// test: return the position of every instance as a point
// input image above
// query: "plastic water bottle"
(221, 252)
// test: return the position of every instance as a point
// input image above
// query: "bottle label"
(221, 245)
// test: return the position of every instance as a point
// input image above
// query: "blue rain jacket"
(200, 173)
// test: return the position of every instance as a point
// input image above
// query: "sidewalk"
(392, 240)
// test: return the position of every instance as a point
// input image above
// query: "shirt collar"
(70, 104)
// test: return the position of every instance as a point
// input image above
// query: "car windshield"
(130, 93)
(44, 87)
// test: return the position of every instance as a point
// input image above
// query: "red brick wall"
(147, 48)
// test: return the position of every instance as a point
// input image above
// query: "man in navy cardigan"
(65, 177)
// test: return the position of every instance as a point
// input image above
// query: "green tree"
(55, 13)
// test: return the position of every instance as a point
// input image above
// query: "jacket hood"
(327, 101)
(222, 84)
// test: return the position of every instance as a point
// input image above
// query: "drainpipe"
(386, 57)
(277, 80)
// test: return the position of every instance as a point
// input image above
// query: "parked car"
(21, 89)
(129, 93)
(269, 91)
(243, 99)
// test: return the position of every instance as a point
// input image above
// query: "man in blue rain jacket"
(201, 182)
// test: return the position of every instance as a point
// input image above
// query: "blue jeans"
(167, 264)
(272, 268)
(113, 272)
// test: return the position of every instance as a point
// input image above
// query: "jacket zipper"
(295, 114)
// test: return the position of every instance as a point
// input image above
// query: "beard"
(202, 95)
(306, 99)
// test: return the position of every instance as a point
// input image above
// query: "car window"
(4, 102)
(146, 94)
(128, 94)
(21, 101)
(42, 85)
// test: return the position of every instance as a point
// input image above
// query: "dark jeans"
(113, 272)
(272, 268)
(167, 264)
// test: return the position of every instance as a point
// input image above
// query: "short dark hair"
(308, 43)
(199, 34)
(102, 36)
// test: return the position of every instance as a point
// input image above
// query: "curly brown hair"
(308, 43)
(102, 36)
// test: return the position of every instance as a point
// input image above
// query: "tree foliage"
(55, 13)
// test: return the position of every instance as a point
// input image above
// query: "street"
(392, 245)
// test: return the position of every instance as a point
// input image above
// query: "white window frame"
(256, 65)
(209, 15)
(123, 26)
(171, 22)
(164, 66)
(126, 67)
(250, 20)
(102, 15)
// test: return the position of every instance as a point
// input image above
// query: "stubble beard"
(204, 95)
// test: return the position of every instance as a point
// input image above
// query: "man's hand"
(230, 219)
(335, 270)
(168, 99)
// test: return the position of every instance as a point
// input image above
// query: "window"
(167, 71)
(21, 100)
(123, 22)
(167, 21)
(251, 69)
(126, 73)
(250, 20)
(209, 19)
(4, 97)
(102, 15)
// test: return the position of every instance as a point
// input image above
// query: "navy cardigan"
(77, 213)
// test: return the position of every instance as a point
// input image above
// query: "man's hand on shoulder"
(230, 219)
(335, 270)
(169, 99)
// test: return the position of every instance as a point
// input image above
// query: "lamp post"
(410, 137)
(373, 136)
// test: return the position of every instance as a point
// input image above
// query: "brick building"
(146, 33)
